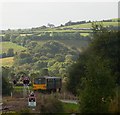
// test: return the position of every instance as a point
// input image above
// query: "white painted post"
(11, 94)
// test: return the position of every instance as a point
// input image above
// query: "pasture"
(7, 45)
(71, 108)
(84, 34)
(89, 25)
(7, 61)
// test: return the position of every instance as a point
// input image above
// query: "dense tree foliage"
(6, 37)
(95, 76)
(6, 86)
(10, 52)
(51, 105)
(24, 40)
(51, 55)
(106, 45)
(77, 74)
(98, 89)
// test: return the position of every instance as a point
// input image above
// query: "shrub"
(51, 105)
(25, 111)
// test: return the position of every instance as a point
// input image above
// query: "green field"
(20, 88)
(71, 108)
(25, 34)
(89, 25)
(116, 19)
(7, 61)
(67, 31)
(70, 29)
(2, 35)
(84, 34)
(7, 45)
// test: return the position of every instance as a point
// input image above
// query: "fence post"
(11, 94)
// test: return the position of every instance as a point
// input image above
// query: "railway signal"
(32, 100)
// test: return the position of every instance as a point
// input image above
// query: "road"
(69, 101)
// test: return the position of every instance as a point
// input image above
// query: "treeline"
(69, 23)
(16, 38)
(110, 20)
(9, 53)
(96, 76)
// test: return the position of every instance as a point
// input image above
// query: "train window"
(39, 81)
(43, 81)
(36, 81)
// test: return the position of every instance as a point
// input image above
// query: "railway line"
(21, 98)
(15, 103)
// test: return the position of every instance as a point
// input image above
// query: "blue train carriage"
(47, 84)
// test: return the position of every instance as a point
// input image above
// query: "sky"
(24, 14)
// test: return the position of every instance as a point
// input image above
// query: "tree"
(106, 45)
(51, 25)
(32, 44)
(40, 64)
(59, 58)
(69, 58)
(4, 55)
(23, 58)
(5, 71)
(96, 74)
(44, 72)
(6, 86)
(99, 87)
(13, 37)
(10, 52)
(76, 74)
(6, 37)
(52, 105)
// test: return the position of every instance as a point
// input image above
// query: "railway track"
(13, 103)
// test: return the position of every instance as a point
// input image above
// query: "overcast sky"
(16, 15)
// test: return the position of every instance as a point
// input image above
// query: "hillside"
(56, 57)
(83, 28)
(75, 35)
(89, 25)
(85, 25)
(7, 61)
(8, 45)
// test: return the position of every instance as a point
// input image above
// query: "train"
(47, 84)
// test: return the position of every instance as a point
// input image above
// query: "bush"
(25, 111)
(51, 105)
(6, 87)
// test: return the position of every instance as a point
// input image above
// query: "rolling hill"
(7, 45)
(84, 28)
(7, 61)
